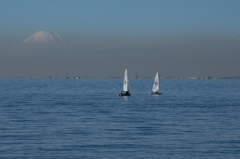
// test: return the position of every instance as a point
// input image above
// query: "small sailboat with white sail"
(155, 89)
(126, 87)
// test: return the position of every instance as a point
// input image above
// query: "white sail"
(156, 83)
(126, 86)
(129, 91)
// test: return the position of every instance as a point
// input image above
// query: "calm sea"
(85, 118)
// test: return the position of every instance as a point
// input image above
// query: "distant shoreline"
(164, 78)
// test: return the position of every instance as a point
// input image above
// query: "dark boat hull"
(124, 94)
(155, 93)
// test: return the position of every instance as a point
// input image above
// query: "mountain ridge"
(41, 43)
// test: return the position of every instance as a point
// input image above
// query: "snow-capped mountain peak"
(41, 43)
(44, 38)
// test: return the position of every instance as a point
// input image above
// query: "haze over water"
(177, 38)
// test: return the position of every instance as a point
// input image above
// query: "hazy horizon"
(177, 38)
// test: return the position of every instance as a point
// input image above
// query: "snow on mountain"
(42, 42)
(44, 38)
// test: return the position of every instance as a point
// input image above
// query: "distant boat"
(126, 87)
(155, 89)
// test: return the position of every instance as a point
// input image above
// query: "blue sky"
(196, 32)
(136, 17)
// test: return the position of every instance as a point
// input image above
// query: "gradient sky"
(177, 38)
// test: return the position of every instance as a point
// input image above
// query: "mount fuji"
(40, 43)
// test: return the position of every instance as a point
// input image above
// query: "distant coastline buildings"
(67, 76)
(207, 77)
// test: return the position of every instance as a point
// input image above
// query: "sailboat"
(126, 87)
(155, 89)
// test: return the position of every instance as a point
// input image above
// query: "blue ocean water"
(85, 118)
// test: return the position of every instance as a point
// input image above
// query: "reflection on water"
(125, 98)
